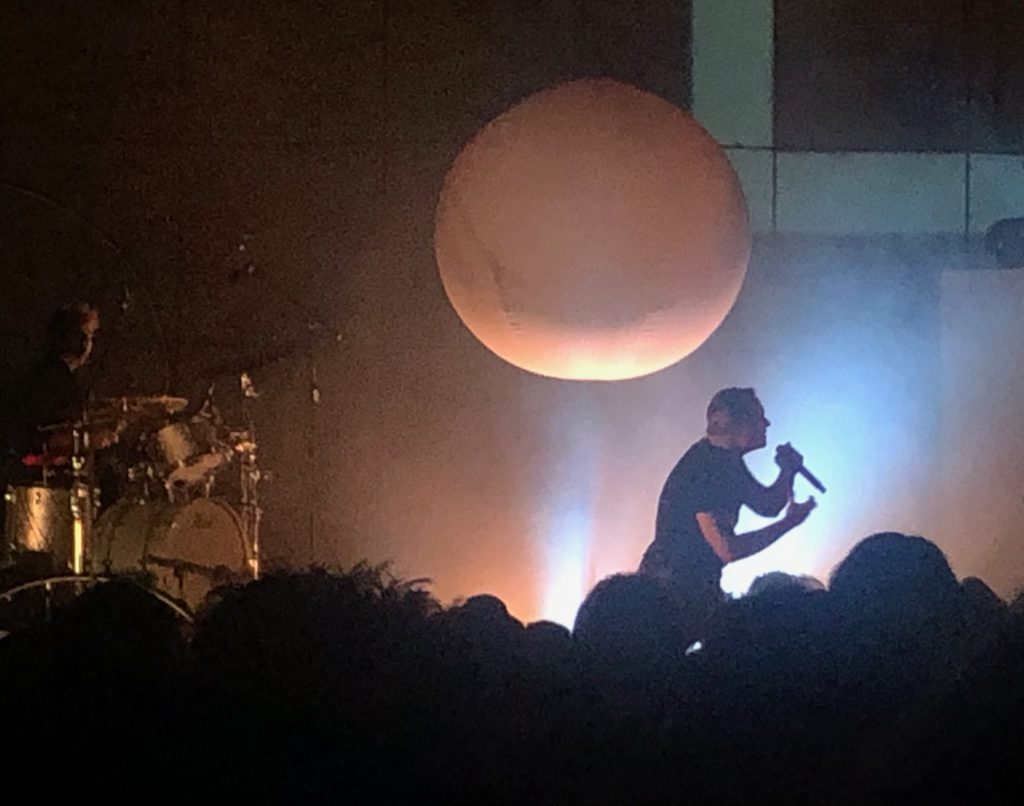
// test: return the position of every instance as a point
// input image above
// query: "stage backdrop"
(263, 165)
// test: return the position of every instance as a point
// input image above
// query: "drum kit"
(185, 513)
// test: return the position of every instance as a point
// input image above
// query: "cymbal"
(127, 404)
(129, 409)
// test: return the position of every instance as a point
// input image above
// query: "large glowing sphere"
(593, 231)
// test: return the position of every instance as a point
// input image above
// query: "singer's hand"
(796, 513)
(788, 458)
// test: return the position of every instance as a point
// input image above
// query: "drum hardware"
(180, 544)
(50, 589)
(220, 573)
(141, 482)
(38, 524)
(165, 522)
(188, 540)
(138, 408)
(51, 520)
(319, 332)
(83, 496)
(249, 471)
(191, 452)
(115, 413)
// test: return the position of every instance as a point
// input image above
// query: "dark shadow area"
(897, 682)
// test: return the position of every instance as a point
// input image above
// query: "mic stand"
(315, 326)
(313, 446)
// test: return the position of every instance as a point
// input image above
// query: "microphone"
(126, 298)
(781, 459)
(814, 481)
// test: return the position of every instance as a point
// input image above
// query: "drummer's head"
(70, 333)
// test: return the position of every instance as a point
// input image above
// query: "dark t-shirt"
(705, 479)
(44, 394)
(49, 394)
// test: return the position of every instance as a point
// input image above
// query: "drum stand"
(250, 475)
(83, 503)
(83, 506)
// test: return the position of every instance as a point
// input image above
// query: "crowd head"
(895, 681)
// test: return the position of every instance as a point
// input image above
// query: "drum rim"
(9, 488)
(179, 609)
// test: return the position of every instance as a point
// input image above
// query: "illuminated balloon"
(592, 232)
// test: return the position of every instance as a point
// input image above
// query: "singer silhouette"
(700, 503)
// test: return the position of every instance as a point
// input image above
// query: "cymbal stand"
(250, 475)
(83, 505)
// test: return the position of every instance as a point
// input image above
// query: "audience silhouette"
(896, 682)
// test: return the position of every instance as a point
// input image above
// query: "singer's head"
(70, 333)
(736, 420)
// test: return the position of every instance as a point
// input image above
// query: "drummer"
(50, 396)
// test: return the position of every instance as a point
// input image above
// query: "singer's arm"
(770, 501)
(731, 547)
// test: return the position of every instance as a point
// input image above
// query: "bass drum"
(189, 548)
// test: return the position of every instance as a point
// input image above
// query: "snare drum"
(189, 452)
(38, 523)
